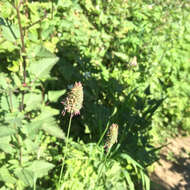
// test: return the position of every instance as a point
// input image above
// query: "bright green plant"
(26, 119)
(114, 175)
(131, 58)
(72, 104)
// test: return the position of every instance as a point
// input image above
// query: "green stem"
(114, 112)
(34, 188)
(23, 48)
(67, 139)
(10, 100)
(52, 9)
(104, 163)
(100, 140)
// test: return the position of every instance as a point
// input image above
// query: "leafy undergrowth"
(131, 64)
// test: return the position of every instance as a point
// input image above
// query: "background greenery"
(132, 58)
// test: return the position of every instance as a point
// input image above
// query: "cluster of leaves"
(117, 173)
(132, 61)
(22, 131)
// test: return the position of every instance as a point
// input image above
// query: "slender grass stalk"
(104, 164)
(67, 139)
(23, 46)
(111, 139)
(34, 187)
(72, 104)
(103, 134)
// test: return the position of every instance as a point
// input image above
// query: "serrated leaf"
(3, 82)
(25, 175)
(32, 101)
(10, 33)
(6, 176)
(45, 66)
(14, 119)
(30, 145)
(42, 63)
(5, 146)
(17, 80)
(15, 102)
(122, 56)
(40, 168)
(40, 52)
(51, 128)
(32, 129)
(6, 131)
(47, 112)
(54, 95)
(4, 104)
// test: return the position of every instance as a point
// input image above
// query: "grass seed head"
(111, 137)
(73, 102)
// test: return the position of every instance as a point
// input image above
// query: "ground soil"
(172, 171)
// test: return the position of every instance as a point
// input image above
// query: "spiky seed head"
(73, 102)
(111, 137)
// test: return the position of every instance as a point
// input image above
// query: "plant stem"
(23, 50)
(38, 21)
(104, 163)
(100, 140)
(52, 9)
(67, 139)
(34, 187)
(10, 100)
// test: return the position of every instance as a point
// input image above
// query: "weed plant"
(133, 64)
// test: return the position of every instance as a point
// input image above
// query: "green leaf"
(4, 104)
(32, 101)
(6, 131)
(6, 176)
(5, 146)
(15, 102)
(54, 95)
(122, 56)
(40, 168)
(17, 80)
(6, 9)
(42, 68)
(47, 112)
(10, 33)
(145, 180)
(31, 146)
(39, 52)
(129, 180)
(42, 63)
(25, 175)
(3, 188)
(3, 80)
(130, 160)
(51, 128)
(32, 129)
(44, 121)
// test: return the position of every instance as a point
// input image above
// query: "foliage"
(115, 172)
(133, 62)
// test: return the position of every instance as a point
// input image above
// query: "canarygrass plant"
(72, 104)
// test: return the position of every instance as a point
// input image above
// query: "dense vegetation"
(130, 61)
